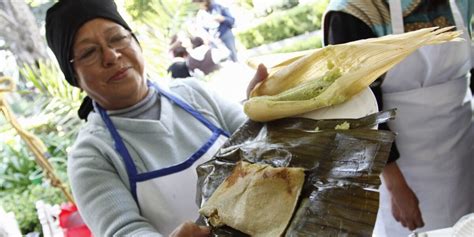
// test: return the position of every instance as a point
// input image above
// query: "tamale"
(256, 199)
(331, 75)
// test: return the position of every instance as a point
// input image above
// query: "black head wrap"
(63, 20)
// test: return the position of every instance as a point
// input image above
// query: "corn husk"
(314, 79)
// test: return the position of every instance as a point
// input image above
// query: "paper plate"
(464, 227)
(358, 106)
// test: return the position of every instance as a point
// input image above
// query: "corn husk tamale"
(314, 79)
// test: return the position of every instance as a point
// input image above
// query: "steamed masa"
(256, 199)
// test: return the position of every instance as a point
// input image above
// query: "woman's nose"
(110, 56)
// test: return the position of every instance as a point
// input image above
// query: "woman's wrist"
(393, 177)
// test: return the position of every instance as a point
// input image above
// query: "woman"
(132, 167)
(430, 91)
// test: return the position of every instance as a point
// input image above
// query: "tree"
(21, 32)
(138, 8)
(155, 21)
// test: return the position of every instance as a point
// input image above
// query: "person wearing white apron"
(433, 122)
(435, 132)
(167, 197)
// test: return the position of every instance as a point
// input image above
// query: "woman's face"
(108, 64)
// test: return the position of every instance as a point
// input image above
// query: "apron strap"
(188, 109)
(121, 149)
(396, 16)
(181, 166)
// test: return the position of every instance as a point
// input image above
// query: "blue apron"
(167, 197)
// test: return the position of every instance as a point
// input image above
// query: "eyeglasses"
(92, 54)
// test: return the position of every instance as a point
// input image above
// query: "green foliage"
(20, 178)
(137, 8)
(285, 24)
(49, 81)
(48, 110)
(56, 123)
(22, 203)
(155, 28)
(57, 100)
(245, 3)
(281, 5)
(311, 43)
(17, 167)
(287, 4)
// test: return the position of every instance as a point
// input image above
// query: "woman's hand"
(189, 229)
(405, 205)
(405, 208)
(259, 76)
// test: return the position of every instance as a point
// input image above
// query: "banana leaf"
(342, 168)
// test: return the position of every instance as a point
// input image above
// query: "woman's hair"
(180, 51)
(207, 2)
(197, 41)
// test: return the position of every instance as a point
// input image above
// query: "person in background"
(204, 58)
(174, 42)
(132, 166)
(179, 68)
(430, 185)
(217, 21)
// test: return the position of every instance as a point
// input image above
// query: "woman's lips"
(122, 73)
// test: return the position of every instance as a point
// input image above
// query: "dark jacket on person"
(229, 21)
(179, 69)
(344, 28)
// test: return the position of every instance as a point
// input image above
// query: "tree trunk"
(20, 32)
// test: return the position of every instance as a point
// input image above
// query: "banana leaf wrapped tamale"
(342, 168)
